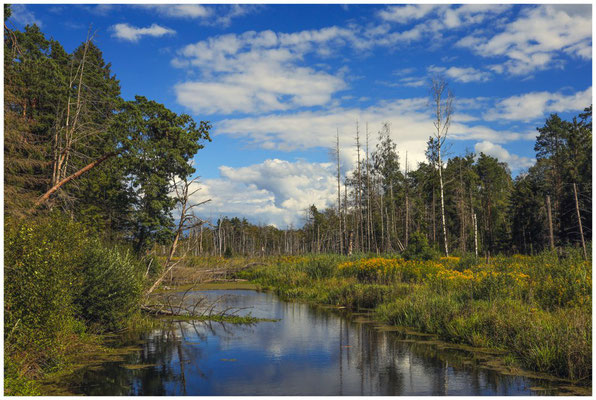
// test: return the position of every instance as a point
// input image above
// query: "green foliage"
(39, 275)
(59, 279)
(418, 248)
(15, 383)
(320, 268)
(110, 287)
(228, 252)
(156, 146)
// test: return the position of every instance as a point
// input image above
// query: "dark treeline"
(486, 209)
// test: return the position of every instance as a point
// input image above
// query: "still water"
(308, 351)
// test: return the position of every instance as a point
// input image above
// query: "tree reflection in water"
(309, 351)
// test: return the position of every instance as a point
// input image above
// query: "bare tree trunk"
(407, 222)
(474, 219)
(183, 194)
(550, 224)
(62, 146)
(358, 194)
(69, 178)
(443, 100)
(368, 210)
(382, 221)
(434, 216)
(345, 212)
(339, 213)
(579, 221)
(350, 242)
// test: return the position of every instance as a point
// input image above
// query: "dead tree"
(442, 99)
(579, 222)
(341, 241)
(550, 224)
(187, 221)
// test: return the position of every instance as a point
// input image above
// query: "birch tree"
(442, 102)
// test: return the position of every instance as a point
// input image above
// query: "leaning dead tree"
(442, 101)
(176, 304)
(187, 221)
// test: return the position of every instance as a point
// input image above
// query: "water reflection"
(309, 351)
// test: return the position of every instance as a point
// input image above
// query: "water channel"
(307, 351)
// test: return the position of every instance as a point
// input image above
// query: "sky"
(278, 81)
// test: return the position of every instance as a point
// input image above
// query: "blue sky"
(276, 81)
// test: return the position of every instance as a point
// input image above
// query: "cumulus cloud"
(534, 105)
(273, 192)
(535, 40)
(133, 34)
(258, 72)
(22, 15)
(514, 161)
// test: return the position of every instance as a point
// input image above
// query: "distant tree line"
(487, 211)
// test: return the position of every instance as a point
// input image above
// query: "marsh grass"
(538, 309)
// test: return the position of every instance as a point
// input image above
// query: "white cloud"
(309, 129)
(459, 131)
(536, 38)
(215, 15)
(23, 16)
(407, 13)
(273, 192)
(258, 72)
(235, 11)
(514, 161)
(410, 119)
(414, 81)
(458, 74)
(261, 87)
(187, 11)
(445, 16)
(530, 106)
(133, 34)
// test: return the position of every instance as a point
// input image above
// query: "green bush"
(15, 383)
(418, 248)
(59, 278)
(110, 287)
(320, 268)
(39, 277)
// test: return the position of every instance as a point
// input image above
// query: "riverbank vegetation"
(537, 308)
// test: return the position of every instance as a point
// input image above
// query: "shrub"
(39, 275)
(320, 268)
(110, 287)
(418, 248)
(57, 277)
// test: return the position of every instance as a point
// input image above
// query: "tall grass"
(537, 308)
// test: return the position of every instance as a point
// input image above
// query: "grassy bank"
(538, 309)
